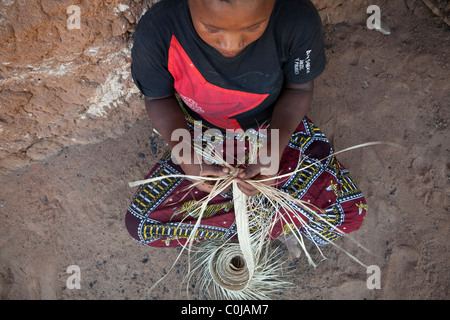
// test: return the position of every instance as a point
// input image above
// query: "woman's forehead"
(231, 13)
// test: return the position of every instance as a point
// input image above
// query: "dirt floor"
(69, 209)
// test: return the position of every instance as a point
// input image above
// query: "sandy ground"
(69, 209)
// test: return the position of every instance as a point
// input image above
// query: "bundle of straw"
(222, 272)
(246, 270)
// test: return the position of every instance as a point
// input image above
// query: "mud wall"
(64, 72)
(64, 75)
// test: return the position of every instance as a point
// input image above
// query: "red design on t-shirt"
(215, 104)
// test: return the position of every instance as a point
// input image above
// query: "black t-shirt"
(229, 93)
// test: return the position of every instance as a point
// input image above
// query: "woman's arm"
(166, 116)
(290, 109)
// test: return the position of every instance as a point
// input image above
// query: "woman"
(237, 66)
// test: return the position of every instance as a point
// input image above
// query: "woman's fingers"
(246, 188)
(205, 187)
(254, 172)
(213, 171)
(207, 171)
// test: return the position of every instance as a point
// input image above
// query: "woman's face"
(230, 27)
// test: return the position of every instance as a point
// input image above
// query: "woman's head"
(230, 25)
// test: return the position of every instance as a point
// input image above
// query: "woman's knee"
(132, 225)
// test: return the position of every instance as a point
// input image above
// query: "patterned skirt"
(159, 214)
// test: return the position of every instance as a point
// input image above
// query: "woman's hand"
(253, 172)
(193, 165)
(204, 170)
(266, 166)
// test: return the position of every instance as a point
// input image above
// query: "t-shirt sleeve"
(306, 58)
(149, 61)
